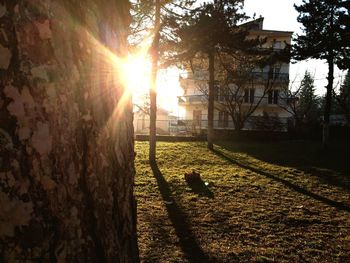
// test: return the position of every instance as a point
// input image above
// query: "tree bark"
(66, 134)
(211, 96)
(153, 87)
(328, 103)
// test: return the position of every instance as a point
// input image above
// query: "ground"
(258, 202)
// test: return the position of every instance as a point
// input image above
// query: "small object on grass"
(168, 202)
(197, 185)
(193, 177)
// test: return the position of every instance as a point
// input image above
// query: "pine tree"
(343, 98)
(324, 37)
(209, 30)
(308, 105)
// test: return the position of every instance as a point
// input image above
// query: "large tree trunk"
(66, 135)
(153, 87)
(328, 103)
(211, 97)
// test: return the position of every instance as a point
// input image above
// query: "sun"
(137, 74)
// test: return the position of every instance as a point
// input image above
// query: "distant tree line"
(307, 108)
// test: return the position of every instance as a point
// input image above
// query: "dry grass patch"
(262, 203)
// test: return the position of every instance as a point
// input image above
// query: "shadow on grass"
(189, 245)
(294, 187)
(159, 233)
(331, 166)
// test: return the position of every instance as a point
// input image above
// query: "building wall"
(194, 99)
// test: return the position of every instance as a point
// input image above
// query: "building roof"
(256, 27)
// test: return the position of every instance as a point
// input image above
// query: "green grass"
(284, 202)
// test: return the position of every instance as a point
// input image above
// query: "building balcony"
(265, 101)
(270, 76)
(192, 99)
(255, 75)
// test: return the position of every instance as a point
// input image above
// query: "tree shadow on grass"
(154, 252)
(290, 185)
(189, 245)
(330, 167)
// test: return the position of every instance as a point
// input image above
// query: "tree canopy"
(325, 31)
(215, 26)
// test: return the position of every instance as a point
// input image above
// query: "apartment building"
(268, 103)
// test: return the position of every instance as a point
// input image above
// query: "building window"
(249, 95)
(276, 71)
(143, 123)
(223, 119)
(246, 95)
(277, 44)
(217, 92)
(273, 97)
(252, 94)
(197, 117)
(221, 94)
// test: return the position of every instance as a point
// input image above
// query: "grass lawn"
(259, 202)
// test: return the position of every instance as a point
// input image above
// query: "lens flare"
(136, 74)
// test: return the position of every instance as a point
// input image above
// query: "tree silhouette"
(209, 30)
(309, 103)
(325, 36)
(161, 17)
(343, 98)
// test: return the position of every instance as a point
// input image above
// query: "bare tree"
(238, 88)
(243, 85)
(290, 97)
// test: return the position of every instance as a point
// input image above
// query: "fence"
(185, 127)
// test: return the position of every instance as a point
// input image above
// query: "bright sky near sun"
(168, 86)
